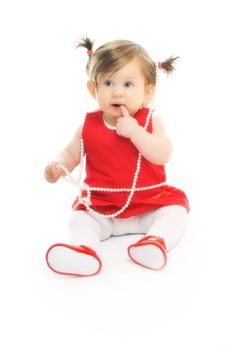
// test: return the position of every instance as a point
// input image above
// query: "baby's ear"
(92, 88)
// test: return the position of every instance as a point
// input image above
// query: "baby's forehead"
(130, 70)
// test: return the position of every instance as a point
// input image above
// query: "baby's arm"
(155, 147)
(69, 157)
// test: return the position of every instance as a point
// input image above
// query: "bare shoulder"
(158, 126)
(78, 133)
(73, 145)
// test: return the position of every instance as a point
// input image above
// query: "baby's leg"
(169, 223)
(164, 228)
(85, 229)
(80, 258)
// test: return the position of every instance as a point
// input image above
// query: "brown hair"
(115, 54)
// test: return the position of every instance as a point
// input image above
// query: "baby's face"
(125, 87)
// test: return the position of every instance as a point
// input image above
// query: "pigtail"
(168, 65)
(86, 43)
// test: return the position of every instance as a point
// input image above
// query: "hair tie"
(90, 53)
(159, 64)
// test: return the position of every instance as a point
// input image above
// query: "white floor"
(185, 306)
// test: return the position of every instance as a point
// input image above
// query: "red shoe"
(149, 251)
(69, 260)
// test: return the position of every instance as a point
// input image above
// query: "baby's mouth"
(117, 105)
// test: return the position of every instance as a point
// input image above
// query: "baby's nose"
(117, 92)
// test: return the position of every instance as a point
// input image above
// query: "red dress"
(111, 162)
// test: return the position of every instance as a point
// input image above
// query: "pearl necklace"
(86, 198)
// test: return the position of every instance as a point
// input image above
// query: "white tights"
(167, 222)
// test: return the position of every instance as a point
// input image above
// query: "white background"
(43, 99)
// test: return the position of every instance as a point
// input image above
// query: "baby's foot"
(150, 251)
(71, 260)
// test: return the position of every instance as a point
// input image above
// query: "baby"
(126, 149)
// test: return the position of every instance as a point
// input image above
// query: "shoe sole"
(65, 260)
(149, 255)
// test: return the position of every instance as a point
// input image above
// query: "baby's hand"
(52, 173)
(126, 125)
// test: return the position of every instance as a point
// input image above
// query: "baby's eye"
(108, 83)
(128, 83)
